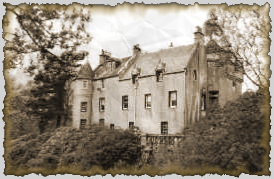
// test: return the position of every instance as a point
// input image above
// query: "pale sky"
(153, 28)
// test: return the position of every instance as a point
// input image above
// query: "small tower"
(81, 97)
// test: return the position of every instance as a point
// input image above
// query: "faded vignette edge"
(128, 171)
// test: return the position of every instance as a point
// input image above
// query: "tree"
(48, 38)
(245, 31)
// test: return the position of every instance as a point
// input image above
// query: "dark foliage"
(73, 147)
(111, 147)
(230, 137)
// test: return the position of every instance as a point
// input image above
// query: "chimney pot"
(136, 50)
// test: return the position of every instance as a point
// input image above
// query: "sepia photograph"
(136, 89)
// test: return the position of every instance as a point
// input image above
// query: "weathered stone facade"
(160, 92)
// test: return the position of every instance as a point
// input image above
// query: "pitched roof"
(176, 60)
(85, 72)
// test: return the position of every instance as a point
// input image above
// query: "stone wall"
(148, 120)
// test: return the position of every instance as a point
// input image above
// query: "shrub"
(111, 147)
(229, 137)
(69, 146)
(26, 148)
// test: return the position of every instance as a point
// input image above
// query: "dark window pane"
(159, 75)
(194, 73)
(83, 123)
(124, 102)
(103, 85)
(84, 106)
(131, 125)
(101, 104)
(173, 99)
(164, 128)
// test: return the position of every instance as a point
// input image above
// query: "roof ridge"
(164, 49)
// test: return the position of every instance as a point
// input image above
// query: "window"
(148, 101)
(124, 102)
(173, 99)
(233, 83)
(84, 106)
(102, 83)
(111, 126)
(85, 84)
(159, 75)
(164, 128)
(58, 123)
(83, 123)
(203, 100)
(213, 97)
(101, 104)
(131, 125)
(194, 75)
(102, 122)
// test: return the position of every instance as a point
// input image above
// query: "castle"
(160, 93)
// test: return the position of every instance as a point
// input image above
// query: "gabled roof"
(176, 60)
(85, 72)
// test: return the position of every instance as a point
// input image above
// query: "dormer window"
(159, 75)
(134, 77)
(135, 73)
(160, 70)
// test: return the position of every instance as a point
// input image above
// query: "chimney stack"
(199, 36)
(104, 56)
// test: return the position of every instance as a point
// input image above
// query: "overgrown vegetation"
(231, 137)
(76, 148)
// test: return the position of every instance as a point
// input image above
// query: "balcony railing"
(151, 139)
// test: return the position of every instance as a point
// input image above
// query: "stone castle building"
(160, 92)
